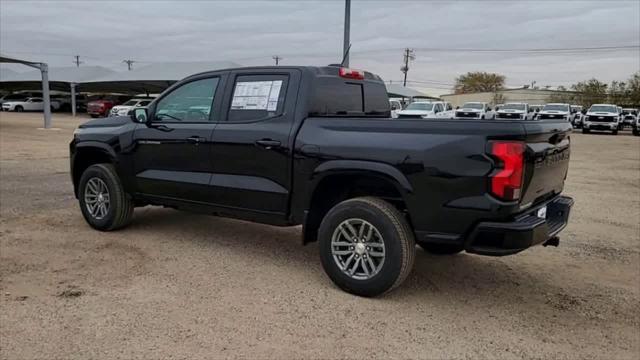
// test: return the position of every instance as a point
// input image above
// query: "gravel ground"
(179, 285)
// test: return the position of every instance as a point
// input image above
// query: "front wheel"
(103, 202)
(366, 246)
(636, 132)
(614, 132)
(19, 108)
(585, 131)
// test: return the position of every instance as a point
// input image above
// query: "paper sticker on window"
(256, 95)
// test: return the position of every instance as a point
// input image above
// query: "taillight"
(351, 74)
(506, 184)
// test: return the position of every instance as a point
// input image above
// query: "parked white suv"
(29, 104)
(427, 109)
(555, 111)
(475, 110)
(601, 117)
(123, 110)
(519, 111)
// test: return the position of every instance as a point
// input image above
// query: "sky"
(311, 33)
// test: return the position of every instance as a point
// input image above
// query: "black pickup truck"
(316, 146)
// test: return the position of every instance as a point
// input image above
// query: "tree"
(479, 82)
(633, 90)
(590, 92)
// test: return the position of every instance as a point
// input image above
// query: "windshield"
(472, 106)
(513, 107)
(603, 108)
(130, 103)
(629, 111)
(556, 108)
(420, 106)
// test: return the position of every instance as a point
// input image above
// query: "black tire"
(585, 131)
(94, 115)
(636, 132)
(121, 206)
(18, 109)
(440, 249)
(614, 132)
(396, 235)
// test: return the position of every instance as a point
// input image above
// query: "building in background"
(525, 95)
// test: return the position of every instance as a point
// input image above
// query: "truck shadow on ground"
(461, 276)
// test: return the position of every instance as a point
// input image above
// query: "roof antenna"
(346, 56)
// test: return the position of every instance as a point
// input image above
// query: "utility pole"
(408, 55)
(277, 59)
(77, 60)
(129, 63)
(347, 27)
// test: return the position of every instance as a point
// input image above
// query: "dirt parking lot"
(179, 285)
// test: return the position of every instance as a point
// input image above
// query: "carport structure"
(151, 79)
(59, 78)
(44, 78)
(400, 91)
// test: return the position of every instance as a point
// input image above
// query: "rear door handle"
(268, 143)
(195, 139)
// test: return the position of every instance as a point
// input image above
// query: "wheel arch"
(86, 154)
(338, 180)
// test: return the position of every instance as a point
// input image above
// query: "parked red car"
(102, 107)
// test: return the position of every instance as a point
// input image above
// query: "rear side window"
(257, 97)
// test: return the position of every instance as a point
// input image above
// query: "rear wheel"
(18, 108)
(103, 202)
(366, 246)
(440, 249)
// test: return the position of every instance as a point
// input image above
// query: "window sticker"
(256, 95)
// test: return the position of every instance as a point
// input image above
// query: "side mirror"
(139, 115)
(435, 111)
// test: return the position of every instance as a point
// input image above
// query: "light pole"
(347, 26)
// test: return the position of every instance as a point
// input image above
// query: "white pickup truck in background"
(556, 111)
(514, 111)
(604, 117)
(475, 110)
(427, 109)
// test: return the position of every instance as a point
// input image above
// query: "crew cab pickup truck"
(316, 146)
(475, 110)
(519, 111)
(427, 110)
(603, 117)
(556, 111)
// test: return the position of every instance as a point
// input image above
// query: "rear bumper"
(506, 238)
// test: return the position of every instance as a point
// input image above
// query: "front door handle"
(195, 139)
(268, 143)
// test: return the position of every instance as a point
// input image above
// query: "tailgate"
(547, 159)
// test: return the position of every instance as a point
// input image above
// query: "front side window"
(257, 97)
(191, 102)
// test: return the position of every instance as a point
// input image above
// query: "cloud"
(304, 32)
